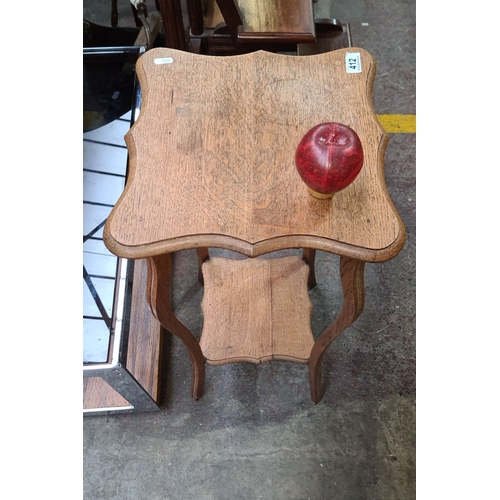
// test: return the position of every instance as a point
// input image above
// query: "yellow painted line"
(398, 124)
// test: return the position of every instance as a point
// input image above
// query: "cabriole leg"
(158, 296)
(309, 255)
(352, 278)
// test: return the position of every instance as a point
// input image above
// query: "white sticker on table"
(163, 60)
(353, 62)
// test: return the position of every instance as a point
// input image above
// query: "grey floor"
(255, 433)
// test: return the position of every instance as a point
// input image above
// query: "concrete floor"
(255, 433)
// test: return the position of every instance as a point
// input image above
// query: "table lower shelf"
(256, 310)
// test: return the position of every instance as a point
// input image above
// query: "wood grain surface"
(277, 15)
(277, 19)
(145, 336)
(256, 310)
(212, 158)
(264, 20)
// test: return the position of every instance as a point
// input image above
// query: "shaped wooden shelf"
(256, 310)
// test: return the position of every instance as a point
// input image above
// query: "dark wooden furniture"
(212, 165)
(224, 27)
(251, 21)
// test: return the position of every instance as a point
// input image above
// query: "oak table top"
(212, 158)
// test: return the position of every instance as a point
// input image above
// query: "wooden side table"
(212, 165)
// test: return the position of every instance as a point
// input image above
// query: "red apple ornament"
(328, 158)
